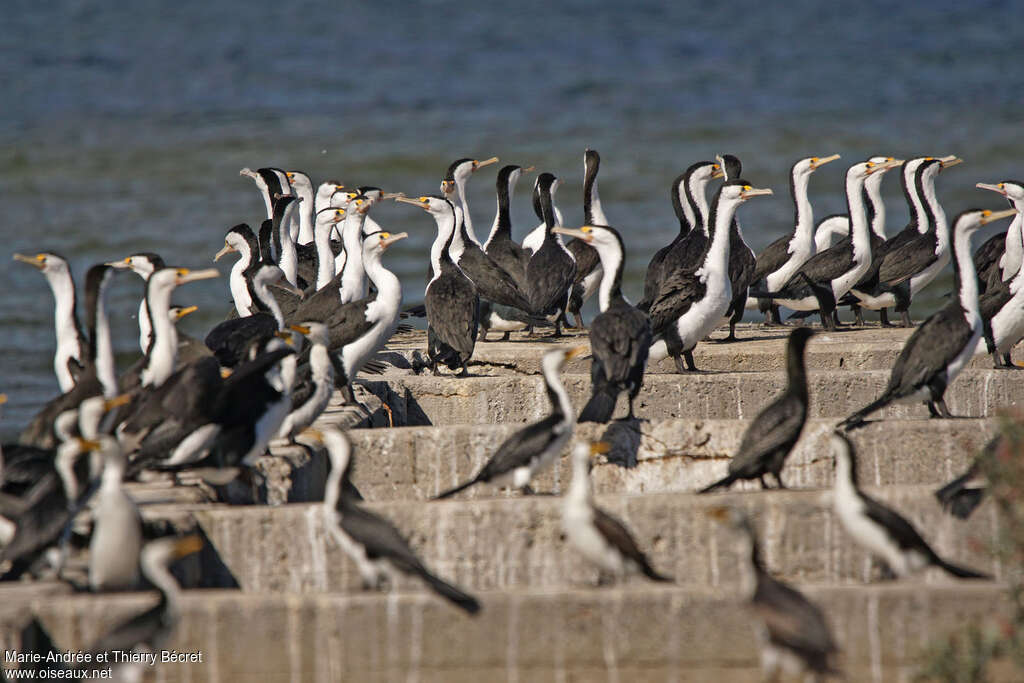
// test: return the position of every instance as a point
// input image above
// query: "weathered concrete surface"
(758, 349)
(423, 400)
(508, 543)
(640, 633)
(668, 455)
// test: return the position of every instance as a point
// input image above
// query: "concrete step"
(507, 543)
(649, 633)
(416, 463)
(758, 348)
(426, 400)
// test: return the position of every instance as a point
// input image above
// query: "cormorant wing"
(618, 535)
(379, 536)
(775, 426)
(772, 258)
(909, 259)
(678, 291)
(621, 339)
(903, 532)
(792, 620)
(522, 448)
(932, 347)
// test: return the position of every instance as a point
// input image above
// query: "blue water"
(123, 125)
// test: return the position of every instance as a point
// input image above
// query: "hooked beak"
(821, 161)
(717, 171)
(749, 192)
(994, 188)
(115, 402)
(38, 261)
(186, 275)
(477, 165)
(285, 335)
(990, 216)
(185, 311)
(248, 172)
(951, 160)
(415, 202)
(187, 546)
(88, 444)
(301, 329)
(575, 351)
(575, 232)
(528, 169)
(228, 249)
(289, 287)
(392, 238)
(126, 262)
(3, 399)
(391, 195)
(600, 448)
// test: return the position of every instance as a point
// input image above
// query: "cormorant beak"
(88, 444)
(391, 195)
(600, 448)
(290, 175)
(477, 165)
(285, 335)
(882, 167)
(185, 311)
(821, 161)
(387, 239)
(301, 329)
(117, 401)
(421, 202)
(339, 188)
(249, 172)
(447, 186)
(583, 233)
(228, 249)
(575, 351)
(749, 192)
(3, 399)
(995, 188)
(716, 171)
(990, 216)
(314, 435)
(126, 262)
(362, 206)
(187, 546)
(951, 160)
(186, 275)
(289, 287)
(37, 261)
(225, 373)
(528, 169)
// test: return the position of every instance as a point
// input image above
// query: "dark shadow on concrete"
(624, 437)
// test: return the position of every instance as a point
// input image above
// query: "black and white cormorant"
(780, 259)
(534, 447)
(374, 544)
(453, 187)
(690, 204)
(98, 375)
(270, 182)
(588, 263)
(150, 630)
(117, 526)
(961, 496)
(940, 346)
(793, 634)
(878, 528)
(451, 298)
(774, 432)
(240, 240)
(820, 282)
(69, 357)
(620, 336)
(911, 259)
(691, 301)
(142, 264)
(1002, 313)
(302, 187)
(999, 257)
(742, 261)
(598, 536)
(551, 270)
(500, 246)
(322, 376)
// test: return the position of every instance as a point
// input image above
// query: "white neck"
(445, 225)
(858, 219)
(691, 219)
(611, 261)
(968, 279)
(579, 486)
(873, 185)
(497, 213)
(916, 207)
(353, 278)
(717, 259)
(324, 256)
(145, 328)
(306, 208)
(288, 259)
(458, 245)
(698, 188)
(460, 184)
(803, 233)
(161, 577)
(596, 212)
(389, 287)
(164, 350)
(113, 472)
(268, 299)
(1013, 256)
(555, 382)
(938, 214)
(64, 322)
(67, 454)
(237, 284)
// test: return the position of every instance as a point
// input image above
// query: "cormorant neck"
(103, 346)
(239, 287)
(324, 255)
(353, 281)
(579, 486)
(696, 194)
(445, 230)
(796, 371)
(502, 226)
(965, 278)
(287, 256)
(912, 193)
(858, 219)
(681, 206)
(846, 470)
(266, 297)
(612, 258)
(937, 223)
(717, 254)
(557, 395)
(163, 349)
(65, 323)
(306, 208)
(803, 219)
(593, 214)
(1013, 255)
(467, 222)
(389, 287)
(874, 204)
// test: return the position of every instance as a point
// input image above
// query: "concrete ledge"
(639, 633)
(412, 463)
(425, 400)
(513, 543)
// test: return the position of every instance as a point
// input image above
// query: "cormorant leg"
(932, 411)
(778, 478)
(905, 319)
(679, 364)
(505, 336)
(883, 316)
(764, 485)
(835, 319)
(434, 370)
(528, 490)
(465, 370)
(579, 320)
(858, 315)
(481, 336)
(776, 314)
(826, 320)
(688, 355)
(943, 410)
(1007, 361)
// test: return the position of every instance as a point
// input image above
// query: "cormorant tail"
(724, 481)
(450, 592)
(857, 419)
(958, 499)
(451, 492)
(958, 571)
(653, 575)
(599, 408)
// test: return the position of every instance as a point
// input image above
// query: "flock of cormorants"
(314, 303)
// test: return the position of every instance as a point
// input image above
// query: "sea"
(123, 126)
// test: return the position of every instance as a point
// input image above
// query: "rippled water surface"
(123, 125)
